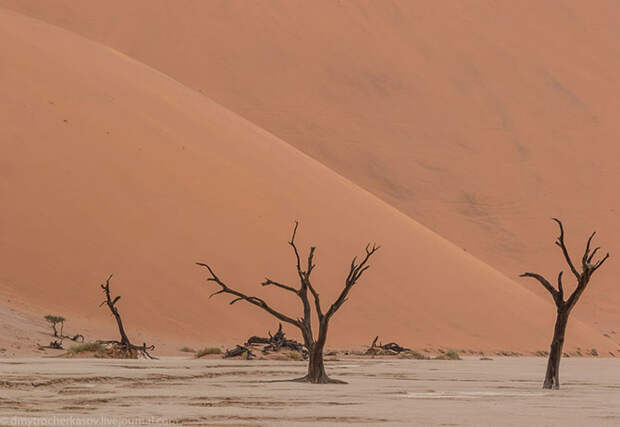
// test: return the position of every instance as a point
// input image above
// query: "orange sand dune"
(107, 165)
(479, 119)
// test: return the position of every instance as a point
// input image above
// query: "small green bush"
(54, 319)
(187, 350)
(208, 350)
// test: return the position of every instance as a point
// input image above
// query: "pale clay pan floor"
(470, 392)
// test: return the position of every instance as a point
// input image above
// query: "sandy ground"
(470, 392)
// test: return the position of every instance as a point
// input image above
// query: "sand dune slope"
(109, 166)
(480, 119)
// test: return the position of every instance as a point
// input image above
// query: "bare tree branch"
(562, 245)
(268, 282)
(586, 253)
(598, 264)
(543, 282)
(308, 284)
(300, 272)
(304, 281)
(252, 300)
(317, 301)
(592, 254)
(355, 272)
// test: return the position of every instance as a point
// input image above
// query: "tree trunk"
(316, 367)
(552, 377)
(124, 338)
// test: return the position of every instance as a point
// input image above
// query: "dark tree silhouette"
(314, 344)
(564, 306)
(124, 344)
(53, 320)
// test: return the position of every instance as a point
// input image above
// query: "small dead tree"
(564, 306)
(124, 344)
(54, 320)
(314, 344)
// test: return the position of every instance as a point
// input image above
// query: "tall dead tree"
(314, 343)
(564, 306)
(124, 344)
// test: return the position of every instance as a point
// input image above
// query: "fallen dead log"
(278, 341)
(76, 337)
(390, 348)
(55, 345)
(272, 344)
(239, 350)
(122, 350)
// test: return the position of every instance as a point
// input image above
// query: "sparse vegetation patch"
(88, 347)
(207, 350)
(449, 355)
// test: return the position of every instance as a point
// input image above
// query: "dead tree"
(313, 343)
(124, 343)
(53, 321)
(565, 305)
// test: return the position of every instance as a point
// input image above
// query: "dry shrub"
(449, 355)
(207, 350)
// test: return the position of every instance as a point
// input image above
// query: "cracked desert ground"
(175, 390)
